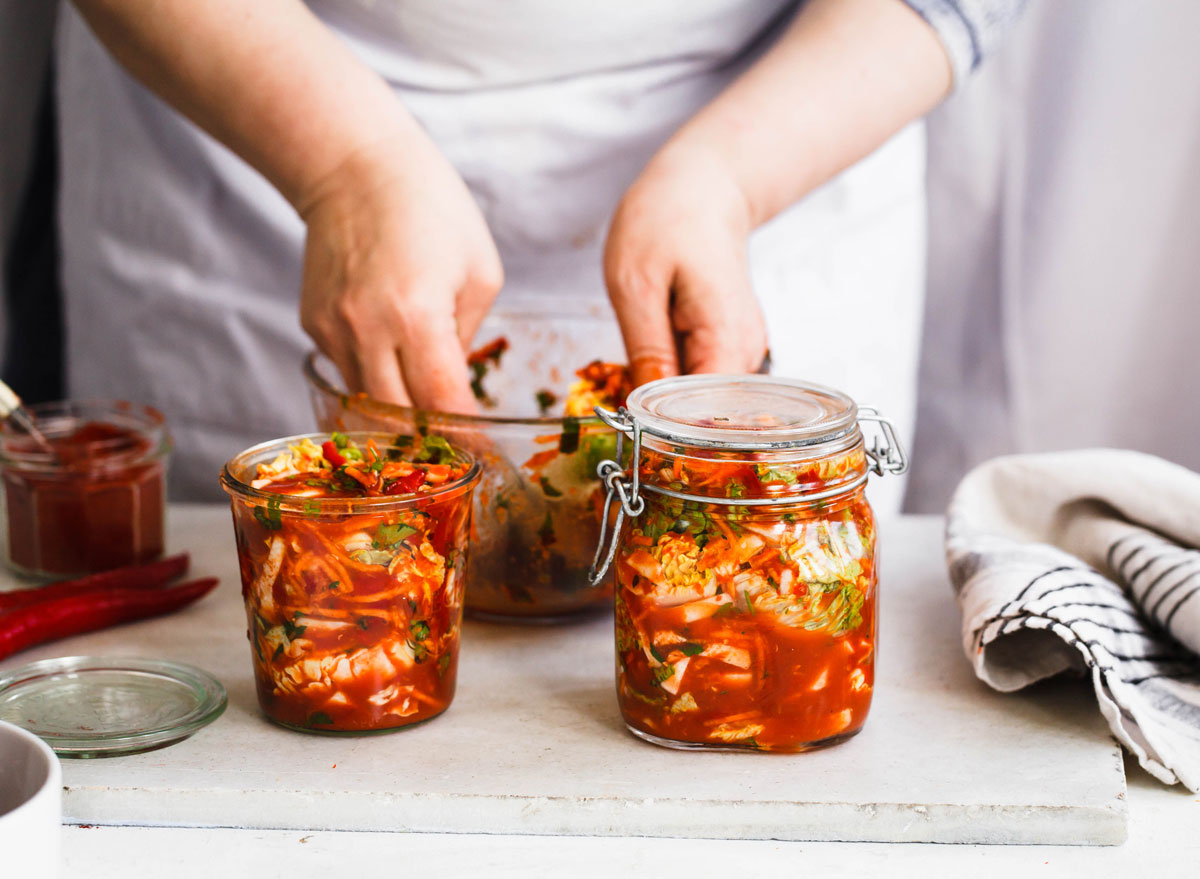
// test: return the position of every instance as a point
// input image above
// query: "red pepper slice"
(407, 483)
(25, 627)
(330, 453)
(148, 576)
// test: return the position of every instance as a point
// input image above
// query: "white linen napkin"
(1088, 561)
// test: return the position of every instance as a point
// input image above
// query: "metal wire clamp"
(886, 455)
(611, 473)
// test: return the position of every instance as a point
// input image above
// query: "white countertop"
(533, 745)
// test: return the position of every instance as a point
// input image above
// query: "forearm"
(266, 78)
(843, 77)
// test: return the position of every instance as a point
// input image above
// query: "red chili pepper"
(148, 576)
(406, 484)
(26, 627)
(330, 453)
(491, 351)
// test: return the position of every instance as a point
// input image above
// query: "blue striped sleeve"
(968, 29)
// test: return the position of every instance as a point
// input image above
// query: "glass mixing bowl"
(537, 507)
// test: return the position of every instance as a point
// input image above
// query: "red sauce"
(100, 505)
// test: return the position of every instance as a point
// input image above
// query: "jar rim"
(361, 404)
(236, 487)
(57, 418)
(742, 412)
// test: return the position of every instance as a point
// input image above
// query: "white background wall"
(1063, 304)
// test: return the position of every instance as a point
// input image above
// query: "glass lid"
(86, 706)
(742, 411)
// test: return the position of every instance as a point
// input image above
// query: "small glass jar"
(98, 501)
(746, 573)
(354, 605)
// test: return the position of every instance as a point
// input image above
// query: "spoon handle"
(9, 401)
(12, 409)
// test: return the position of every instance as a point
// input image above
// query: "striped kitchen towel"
(1088, 561)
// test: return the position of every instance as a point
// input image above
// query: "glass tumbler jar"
(96, 499)
(744, 552)
(354, 603)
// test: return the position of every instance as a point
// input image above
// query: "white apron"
(182, 265)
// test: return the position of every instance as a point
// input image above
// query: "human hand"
(399, 271)
(676, 269)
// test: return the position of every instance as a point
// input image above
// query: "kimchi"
(538, 503)
(352, 553)
(743, 626)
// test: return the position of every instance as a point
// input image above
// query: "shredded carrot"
(359, 477)
(541, 459)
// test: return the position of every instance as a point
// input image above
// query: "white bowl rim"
(51, 787)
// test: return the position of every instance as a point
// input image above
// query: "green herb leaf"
(312, 508)
(479, 369)
(691, 649)
(340, 439)
(568, 443)
(278, 651)
(363, 622)
(749, 606)
(546, 400)
(419, 629)
(443, 663)
(774, 474)
(546, 531)
(435, 449)
(420, 651)
(547, 489)
(380, 557)
(269, 517)
(664, 673)
(654, 652)
(391, 536)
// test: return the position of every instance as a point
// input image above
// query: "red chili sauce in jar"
(97, 502)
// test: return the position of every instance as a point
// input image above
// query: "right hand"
(399, 271)
(677, 272)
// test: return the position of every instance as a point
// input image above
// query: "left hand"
(676, 269)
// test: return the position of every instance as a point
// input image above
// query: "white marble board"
(534, 744)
